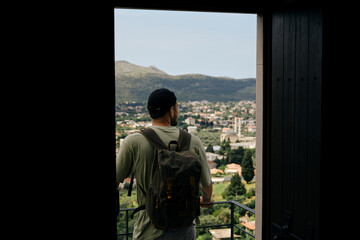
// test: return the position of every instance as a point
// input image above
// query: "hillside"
(135, 83)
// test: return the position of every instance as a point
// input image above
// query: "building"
(190, 121)
(214, 171)
(251, 129)
(227, 179)
(233, 168)
(213, 156)
(212, 164)
(234, 135)
(237, 125)
(245, 144)
(222, 234)
(127, 180)
(230, 135)
(245, 218)
(191, 129)
(249, 225)
(216, 180)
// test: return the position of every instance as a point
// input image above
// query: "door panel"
(296, 76)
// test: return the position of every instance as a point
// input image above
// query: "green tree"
(217, 161)
(226, 159)
(247, 168)
(224, 147)
(225, 215)
(210, 148)
(236, 187)
(222, 168)
(250, 192)
(206, 220)
(236, 155)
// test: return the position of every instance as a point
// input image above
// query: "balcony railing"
(232, 223)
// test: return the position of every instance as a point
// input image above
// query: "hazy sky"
(215, 44)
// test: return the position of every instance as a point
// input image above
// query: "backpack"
(172, 198)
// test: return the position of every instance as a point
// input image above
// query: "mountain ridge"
(135, 83)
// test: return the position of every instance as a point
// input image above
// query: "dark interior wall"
(339, 176)
(295, 121)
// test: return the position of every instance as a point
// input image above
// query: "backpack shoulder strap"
(131, 184)
(184, 140)
(153, 138)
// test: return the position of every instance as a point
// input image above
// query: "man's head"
(162, 104)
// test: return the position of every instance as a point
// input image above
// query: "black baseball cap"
(160, 101)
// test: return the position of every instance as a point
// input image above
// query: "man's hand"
(205, 202)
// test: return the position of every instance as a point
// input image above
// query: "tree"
(206, 220)
(247, 168)
(236, 155)
(224, 147)
(217, 161)
(225, 215)
(210, 148)
(236, 187)
(226, 159)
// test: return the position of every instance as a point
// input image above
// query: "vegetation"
(235, 188)
(247, 170)
(221, 213)
(126, 202)
(209, 137)
(135, 83)
(210, 148)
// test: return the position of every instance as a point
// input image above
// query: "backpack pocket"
(154, 208)
(179, 215)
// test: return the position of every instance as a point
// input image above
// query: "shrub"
(250, 193)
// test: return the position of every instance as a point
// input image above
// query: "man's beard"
(173, 121)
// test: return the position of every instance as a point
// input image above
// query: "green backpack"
(172, 198)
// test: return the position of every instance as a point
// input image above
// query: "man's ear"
(172, 112)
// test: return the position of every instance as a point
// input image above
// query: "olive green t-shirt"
(136, 155)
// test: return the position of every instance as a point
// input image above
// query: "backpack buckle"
(175, 143)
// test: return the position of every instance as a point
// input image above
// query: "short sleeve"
(124, 162)
(205, 179)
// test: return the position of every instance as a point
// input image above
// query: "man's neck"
(161, 122)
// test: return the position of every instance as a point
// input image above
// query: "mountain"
(128, 69)
(135, 83)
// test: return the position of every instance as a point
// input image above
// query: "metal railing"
(232, 223)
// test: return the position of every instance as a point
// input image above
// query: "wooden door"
(295, 123)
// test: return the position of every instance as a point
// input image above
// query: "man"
(136, 155)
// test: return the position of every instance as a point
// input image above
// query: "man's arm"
(124, 163)
(206, 200)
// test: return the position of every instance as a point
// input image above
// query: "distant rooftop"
(222, 233)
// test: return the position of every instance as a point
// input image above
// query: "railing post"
(126, 225)
(232, 220)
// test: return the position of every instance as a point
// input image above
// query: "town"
(235, 121)
(228, 132)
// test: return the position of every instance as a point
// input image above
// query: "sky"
(177, 42)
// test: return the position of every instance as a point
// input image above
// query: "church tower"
(237, 126)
